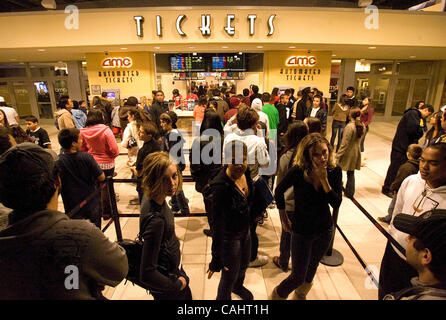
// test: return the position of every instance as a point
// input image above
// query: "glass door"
(4, 92)
(400, 97)
(43, 100)
(420, 90)
(21, 95)
(379, 96)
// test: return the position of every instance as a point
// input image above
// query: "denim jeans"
(363, 138)
(236, 253)
(337, 128)
(306, 253)
(179, 203)
(285, 244)
(350, 185)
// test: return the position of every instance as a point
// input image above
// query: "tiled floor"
(348, 281)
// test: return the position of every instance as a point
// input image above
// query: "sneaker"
(258, 262)
(243, 293)
(134, 202)
(384, 219)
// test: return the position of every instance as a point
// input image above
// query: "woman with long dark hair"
(366, 118)
(340, 113)
(435, 131)
(317, 185)
(348, 156)
(99, 141)
(204, 166)
(161, 268)
(296, 132)
(232, 210)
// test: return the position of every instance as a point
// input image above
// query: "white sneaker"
(258, 262)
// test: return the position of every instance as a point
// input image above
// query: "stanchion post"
(333, 257)
(114, 207)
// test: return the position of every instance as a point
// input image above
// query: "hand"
(286, 223)
(319, 172)
(184, 283)
(210, 273)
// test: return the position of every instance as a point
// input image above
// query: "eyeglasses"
(424, 203)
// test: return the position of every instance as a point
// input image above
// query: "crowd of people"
(247, 142)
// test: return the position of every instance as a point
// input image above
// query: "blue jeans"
(236, 253)
(179, 203)
(363, 138)
(285, 244)
(350, 185)
(337, 128)
(306, 253)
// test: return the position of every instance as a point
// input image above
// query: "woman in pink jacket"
(99, 141)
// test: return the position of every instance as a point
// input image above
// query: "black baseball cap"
(429, 228)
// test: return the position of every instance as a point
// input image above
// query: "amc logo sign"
(301, 61)
(117, 62)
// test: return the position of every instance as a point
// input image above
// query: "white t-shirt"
(314, 111)
(414, 191)
(11, 115)
(257, 151)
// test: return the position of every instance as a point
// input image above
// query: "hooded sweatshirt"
(263, 117)
(79, 118)
(419, 291)
(64, 119)
(99, 141)
(414, 191)
(35, 252)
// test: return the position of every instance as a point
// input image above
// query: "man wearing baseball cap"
(44, 254)
(425, 252)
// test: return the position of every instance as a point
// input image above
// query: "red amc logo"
(301, 61)
(117, 62)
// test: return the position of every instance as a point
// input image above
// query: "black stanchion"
(114, 208)
(333, 257)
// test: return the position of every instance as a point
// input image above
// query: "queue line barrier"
(334, 258)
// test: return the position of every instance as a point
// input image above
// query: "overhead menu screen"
(188, 63)
(228, 63)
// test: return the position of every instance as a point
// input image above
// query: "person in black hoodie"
(231, 240)
(408, 168)
(161, 269)
(205, 165)
(409, 131)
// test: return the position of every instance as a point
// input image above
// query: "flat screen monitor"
(111, 95)
(187, 63)
(229, 62)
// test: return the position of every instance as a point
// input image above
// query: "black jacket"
(161, 255)
(321, 114)
(201, 172)
(231, 214)
(409, 168)
(409, 130)
(311, 211)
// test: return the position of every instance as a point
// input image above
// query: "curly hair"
(303, 159)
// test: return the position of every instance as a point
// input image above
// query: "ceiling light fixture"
(372, 47)
(41, 50)
(260, 47)
(123, 48)
(412, 57)
(49, 4)
(292, 47)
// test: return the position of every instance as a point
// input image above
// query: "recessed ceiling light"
(333, 55)
(225, 47)
(372, 47)
(412, 57)
(191, 47)
(292, 47)
(260, 47)
(157, 47)
(123, 48)
(41, 50)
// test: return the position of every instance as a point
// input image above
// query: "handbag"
(263, 196)
(132, 143)
(133, 249)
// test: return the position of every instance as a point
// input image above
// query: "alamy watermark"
(72, 280)
(372, 20)
(72, 21)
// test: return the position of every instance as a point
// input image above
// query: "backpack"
(133, 249)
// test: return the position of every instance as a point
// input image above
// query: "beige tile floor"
(348, 281)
